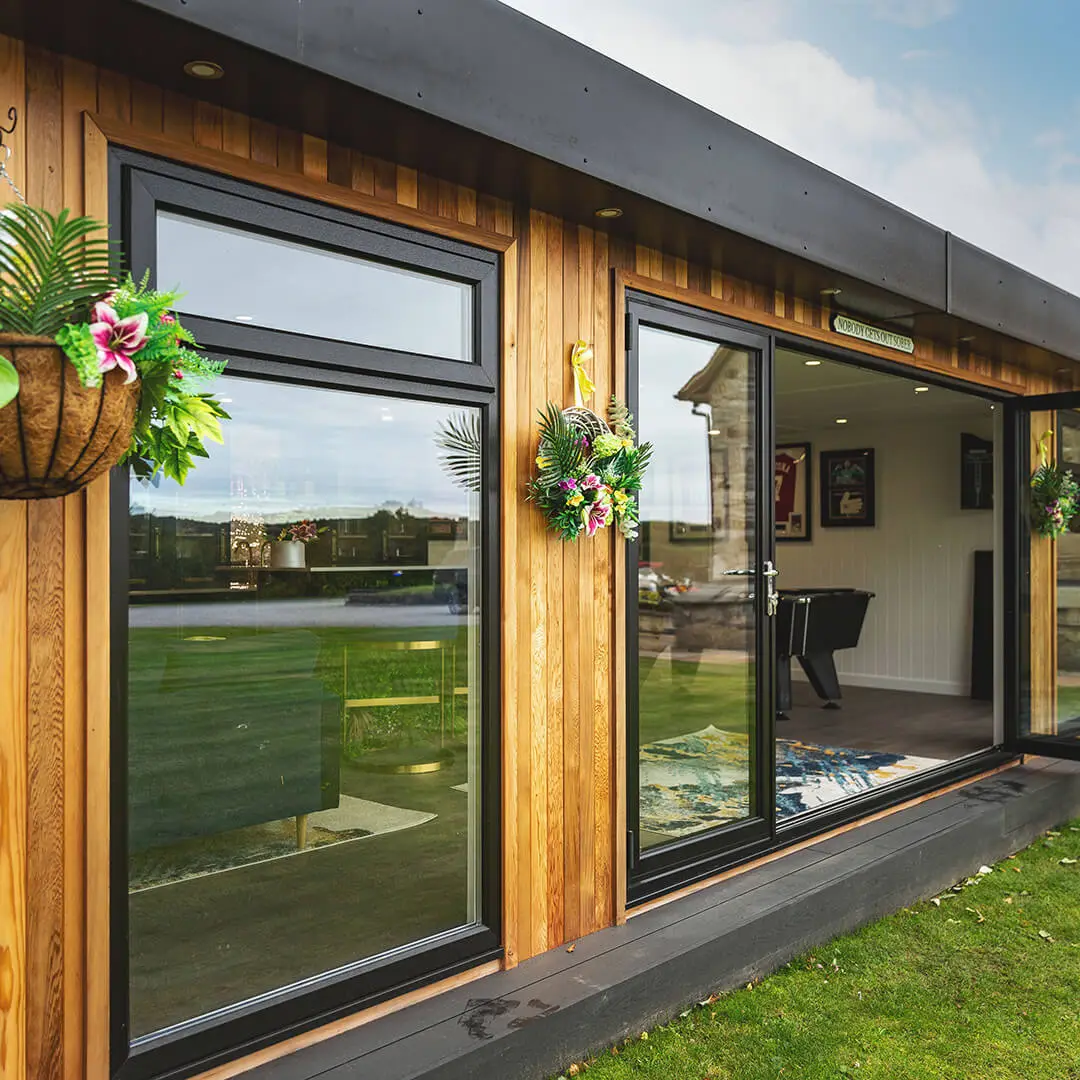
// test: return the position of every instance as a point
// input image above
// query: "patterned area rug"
(351, 819)
(694, 782)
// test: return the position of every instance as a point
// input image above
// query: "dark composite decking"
(530, 1022)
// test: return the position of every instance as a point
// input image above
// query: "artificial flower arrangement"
(1055, 495)
(93, 371)
(590, 474)
(301, 532)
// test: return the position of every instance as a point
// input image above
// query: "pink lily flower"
(590, 482)
(117, 339)
(597, 517)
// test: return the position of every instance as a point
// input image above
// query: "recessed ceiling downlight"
(812, 363)
(609, 212)
(203, 69)
(841, 419)
(921, 389)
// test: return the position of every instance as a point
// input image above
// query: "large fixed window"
(305, 732)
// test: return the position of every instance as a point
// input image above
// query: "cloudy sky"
(966, 112)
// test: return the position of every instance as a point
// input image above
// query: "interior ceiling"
(809, 398)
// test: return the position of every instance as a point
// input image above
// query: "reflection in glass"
(242, 276)
(1060, 716)
(303, 725)
(697, 703)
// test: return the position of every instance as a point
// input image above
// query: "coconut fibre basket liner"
(57, 435)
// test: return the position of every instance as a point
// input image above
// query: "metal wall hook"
(13, 116)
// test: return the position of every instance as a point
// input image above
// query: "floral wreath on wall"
(1055, 495)
(590, 470)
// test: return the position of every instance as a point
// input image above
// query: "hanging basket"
(57, 435)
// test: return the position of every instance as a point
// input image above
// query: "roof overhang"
(475, 92)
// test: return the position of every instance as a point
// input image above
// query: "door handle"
(772, 597)
(769, 573)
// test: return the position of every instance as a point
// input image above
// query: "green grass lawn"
(983, 984)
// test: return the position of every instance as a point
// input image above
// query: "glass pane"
(886, 516)
(246, 277)
(304, 717)
(1053, 600)
(697, 700)
(1067, 604)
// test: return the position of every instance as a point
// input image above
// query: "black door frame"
(1018, 540)
(653, 872)
(138, 186)
(685, 862)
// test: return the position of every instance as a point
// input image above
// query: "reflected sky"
(678, 481)
(294, 451)
(965, 112)
(244, 277)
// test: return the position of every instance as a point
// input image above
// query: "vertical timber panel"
(537, 709)
(96, 599)
(79, 95)
(583, 820)
(14, 901)
(574, 556)
(45, 653)
(556, 383)
(603, 567)
(512, 744)
(1043, 585)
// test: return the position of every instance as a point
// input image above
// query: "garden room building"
(335, 759)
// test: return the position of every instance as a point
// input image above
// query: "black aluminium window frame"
(1018, 670)
(699, 862)
(139, 185)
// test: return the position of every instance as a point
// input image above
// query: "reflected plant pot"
(288, 555)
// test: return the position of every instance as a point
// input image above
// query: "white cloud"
(925, 153)
(916, 14)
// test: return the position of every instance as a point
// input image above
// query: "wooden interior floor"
(894, 721)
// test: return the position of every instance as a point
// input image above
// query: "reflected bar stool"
(408, 699)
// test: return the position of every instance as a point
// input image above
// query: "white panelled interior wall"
(918, 560)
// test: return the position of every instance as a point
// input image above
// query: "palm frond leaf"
(52, 269)
(460, 438)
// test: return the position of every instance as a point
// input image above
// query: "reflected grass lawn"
(678, 697)
(202, 943)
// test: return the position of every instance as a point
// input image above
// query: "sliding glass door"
(699, 633)
(1046, 592)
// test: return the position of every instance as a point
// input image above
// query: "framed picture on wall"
(847, 488)
(791, 491)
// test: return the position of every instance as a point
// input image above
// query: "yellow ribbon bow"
(1044, 446)
(583, 386)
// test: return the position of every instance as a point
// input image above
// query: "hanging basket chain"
(13, 116)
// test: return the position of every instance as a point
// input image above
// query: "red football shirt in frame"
(784, 481)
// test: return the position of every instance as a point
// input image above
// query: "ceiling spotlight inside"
(609, 212)
(713, 431)
(831, 292)
(203, 69)
(841, 419)
(243, 318)
(921, 389)
(812, 363)
(967, 338)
